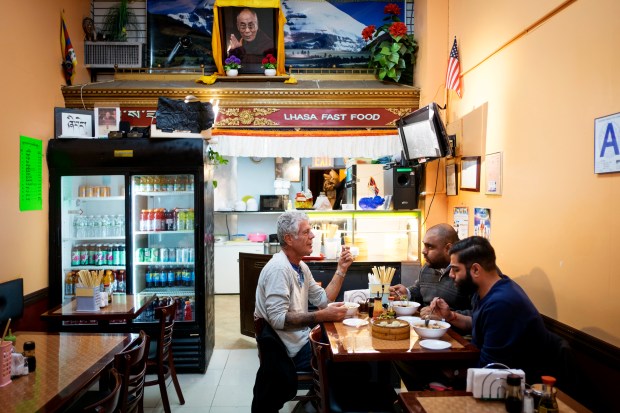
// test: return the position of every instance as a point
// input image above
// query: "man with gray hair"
(285, 286)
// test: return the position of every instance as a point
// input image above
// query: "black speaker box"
(405, 184)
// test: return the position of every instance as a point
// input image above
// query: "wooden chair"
(304, 378)
(358, 395)
(161, 360)
(131, 365)
(110, 402)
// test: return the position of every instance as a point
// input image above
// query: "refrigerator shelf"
(99, 198)
(166, 291)
(165, 193)
(167, 263)
(185, 231)
(94, 267)
(70, 239)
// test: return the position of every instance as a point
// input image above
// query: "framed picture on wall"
(493, 166)
(73, 123)
(470, 173)
(451, 180)
(250, 34)
(107, 119)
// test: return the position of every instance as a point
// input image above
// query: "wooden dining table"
(460, 401)
(67, 364)
(358, 344)
(123, 308)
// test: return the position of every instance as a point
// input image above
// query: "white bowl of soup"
(351, 307)
(405, 307)
(435, 328)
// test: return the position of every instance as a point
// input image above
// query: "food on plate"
(389, 323)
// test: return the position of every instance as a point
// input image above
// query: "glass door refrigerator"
(140, 211)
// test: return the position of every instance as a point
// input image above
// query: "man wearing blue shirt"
(505, 324)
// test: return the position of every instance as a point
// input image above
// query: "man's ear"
(475, 269)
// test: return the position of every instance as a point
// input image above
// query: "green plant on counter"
(118, 20)
(215, 159)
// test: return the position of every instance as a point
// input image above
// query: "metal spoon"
(428, 317)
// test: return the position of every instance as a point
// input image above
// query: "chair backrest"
(11, 300)
(166, 316)
(109, 403)
(131, 365)
(320, 355)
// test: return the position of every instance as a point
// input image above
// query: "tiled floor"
(227, 385)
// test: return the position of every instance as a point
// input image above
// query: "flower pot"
(270, 72)
(232, 72)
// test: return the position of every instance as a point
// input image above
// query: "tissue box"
(88, 299)
(489, 384)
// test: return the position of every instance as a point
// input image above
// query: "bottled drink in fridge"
(149, 277)
(187, 316)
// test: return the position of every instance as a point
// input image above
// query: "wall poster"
(493, 163)
(461, 221)
(482, 222)
(607, 144)
(30, 174)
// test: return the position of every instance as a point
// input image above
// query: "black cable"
(434, 192)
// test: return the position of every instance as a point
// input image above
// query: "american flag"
(453, 77)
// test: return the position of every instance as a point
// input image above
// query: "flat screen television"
(423, 135)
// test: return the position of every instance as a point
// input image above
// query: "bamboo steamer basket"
(400, 332)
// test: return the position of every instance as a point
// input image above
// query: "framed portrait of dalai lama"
(250, 34)
(250, 31)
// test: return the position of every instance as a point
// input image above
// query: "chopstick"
(383, 274)
(8, 323)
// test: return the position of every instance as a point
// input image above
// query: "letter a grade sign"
(607, 144)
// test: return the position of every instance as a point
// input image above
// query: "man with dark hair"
(505, 324)
(253, 44)
(434, 280)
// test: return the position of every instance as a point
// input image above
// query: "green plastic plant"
(118, 20)
(390, 46)
(215, 159)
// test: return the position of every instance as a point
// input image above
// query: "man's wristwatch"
(340, 273)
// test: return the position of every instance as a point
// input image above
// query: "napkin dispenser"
(489, 383)
(88, 298)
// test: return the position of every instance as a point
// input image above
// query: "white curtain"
(372, 146)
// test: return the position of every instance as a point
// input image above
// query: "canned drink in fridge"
(155, 255)
(172, 254)
(104, 191)
(89, 191)
(96, 191)
(184, 255)
(147, 254)
(82, 191)
(140, 254)
(191, 257)
(163, 255)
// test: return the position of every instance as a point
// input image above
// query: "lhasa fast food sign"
(306, 118)
(288, 117)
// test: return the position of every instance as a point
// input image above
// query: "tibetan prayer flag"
(67, 52)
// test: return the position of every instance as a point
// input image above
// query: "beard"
(467, 285)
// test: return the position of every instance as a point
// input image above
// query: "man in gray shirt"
(434, 280)
(286, 285)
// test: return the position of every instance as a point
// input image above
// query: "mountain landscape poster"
(317, 34)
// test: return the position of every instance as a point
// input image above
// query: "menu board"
(30, 174)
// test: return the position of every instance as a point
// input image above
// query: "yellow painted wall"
(31, 80)
(555, 226)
